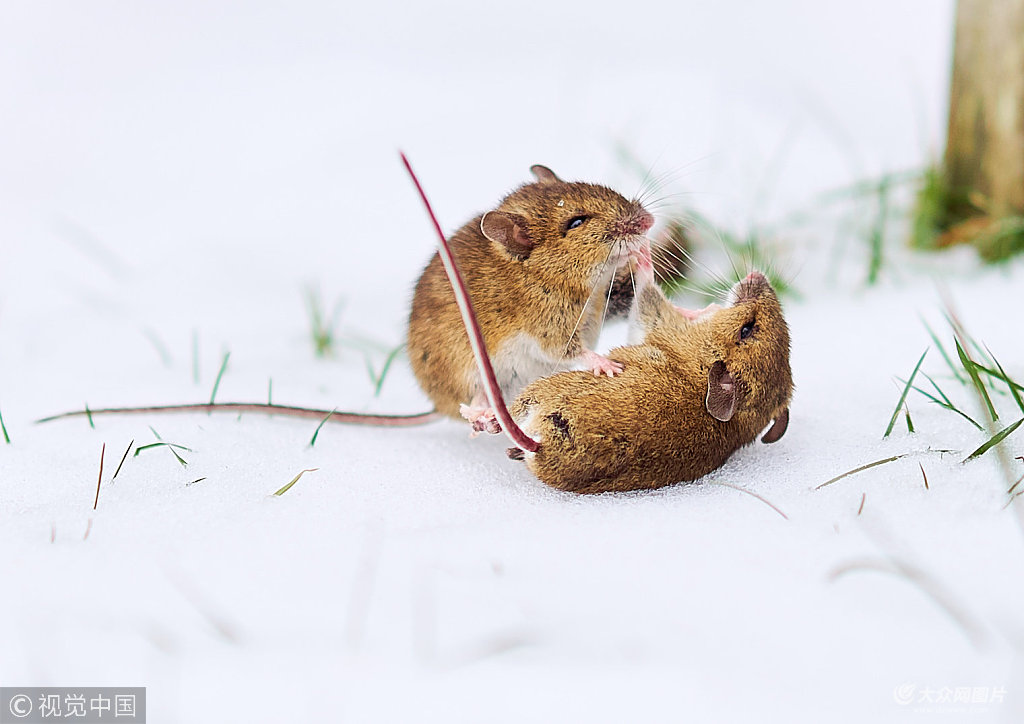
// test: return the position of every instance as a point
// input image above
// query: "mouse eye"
(747, 329)
(575, 222)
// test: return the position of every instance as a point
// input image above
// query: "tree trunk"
(984, 163)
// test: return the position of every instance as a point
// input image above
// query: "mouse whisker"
(666, 200)
(647, 179)
(667, 177)
(586, 304)
(685, 256)
(607, 303)
(698, 291)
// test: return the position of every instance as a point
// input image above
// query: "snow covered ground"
(174, 178)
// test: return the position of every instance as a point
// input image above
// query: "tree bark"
(984, 162)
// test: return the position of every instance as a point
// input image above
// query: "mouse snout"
(635, 223)
(753, 286)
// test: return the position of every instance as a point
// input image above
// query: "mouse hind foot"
(481, 418)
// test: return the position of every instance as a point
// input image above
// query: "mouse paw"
(482, 419)
(599, 364)
(642, 263)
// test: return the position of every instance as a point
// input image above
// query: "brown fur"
(650, 426)
(536, 284)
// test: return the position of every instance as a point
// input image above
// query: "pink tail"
(476, 339)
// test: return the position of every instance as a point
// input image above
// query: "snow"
(185, 172)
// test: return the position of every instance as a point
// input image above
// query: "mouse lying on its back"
(538, 270)
(688, 397)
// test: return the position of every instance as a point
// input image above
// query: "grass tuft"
(378, 379)
(970, 374)
(322, 326)
(929, 215)
(294, 480)
(169, 445)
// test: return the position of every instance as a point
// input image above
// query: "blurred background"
(203, 138)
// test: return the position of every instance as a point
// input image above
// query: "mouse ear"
(544, 174)
(778, 428)
(721, 399)
(509, 230)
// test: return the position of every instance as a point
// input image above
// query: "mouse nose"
(637, 223)
(753, 286)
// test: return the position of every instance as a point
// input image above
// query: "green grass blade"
(153, 445)
(903, 397)
(861, 469)
(978, 384)
(910, 423)
(312, 442)
(947, 405)
(294, 480)
(993, 373)
(876, 237)
(158, 345)
(270, 391)
(937, 388)
(1009, 383)
(169, 446)
(942, 351)
(982, 352)
(88, 414)
(220, 373)
(3, 429)
(994, 440)
(386, 368)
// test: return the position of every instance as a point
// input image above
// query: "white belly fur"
(520, 361)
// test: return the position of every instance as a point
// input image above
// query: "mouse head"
(556, 226)
(749, 378)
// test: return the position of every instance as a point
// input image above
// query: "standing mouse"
(699, 387)
(538, 270)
